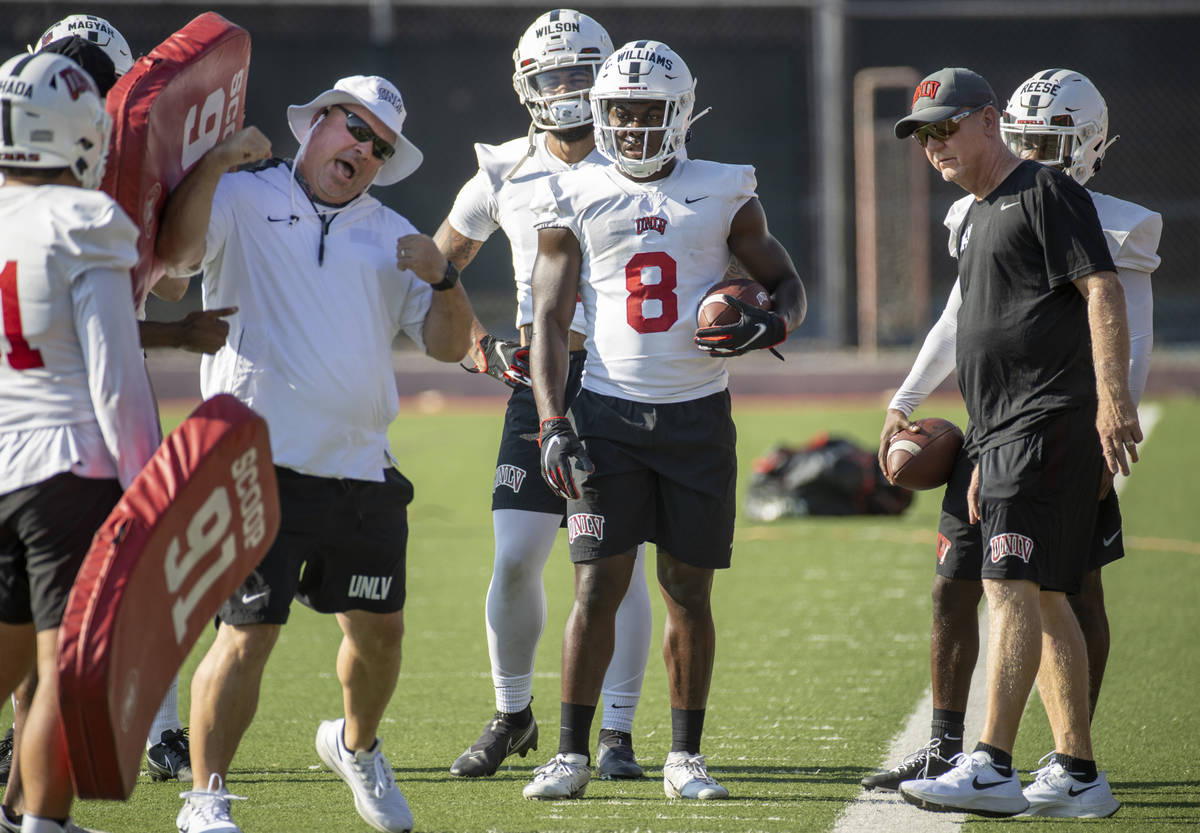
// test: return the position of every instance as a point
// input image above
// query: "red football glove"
(565, 464)
(507, 361)
(757, 329)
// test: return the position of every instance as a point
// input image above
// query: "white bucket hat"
(379, 96)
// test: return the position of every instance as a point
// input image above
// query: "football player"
(648, 451)
(78, 421)
(1059, 118)
(555, 66)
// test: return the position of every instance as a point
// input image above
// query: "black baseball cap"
(942, 94)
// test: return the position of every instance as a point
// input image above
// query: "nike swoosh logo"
(984, 785)
(617, 706)
(1005, 207)
(670, 77)
(690, 200)
(248, 598)
(1111, 538)
(1074, 792)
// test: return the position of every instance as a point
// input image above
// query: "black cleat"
(615, 759)
(501, 737)
(926, 762)
(6, 750)
(171, 757)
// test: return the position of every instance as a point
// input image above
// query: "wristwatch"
(448, 280)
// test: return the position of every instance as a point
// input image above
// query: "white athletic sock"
(516, 601)
(631, 647)
(167, 716)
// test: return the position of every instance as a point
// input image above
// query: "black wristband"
(448, 280)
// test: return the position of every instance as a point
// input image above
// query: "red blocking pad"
(175, 104)
(187, 532)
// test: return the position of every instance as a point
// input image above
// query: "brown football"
(925, 459)
(714, 312)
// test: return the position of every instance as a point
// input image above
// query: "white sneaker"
(376, 796)
(973, 786)
(207, 811)
(686, 776)
(1058, 794)
(566, 776)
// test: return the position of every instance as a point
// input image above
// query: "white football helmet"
(52, 116)
(97, 30)
(1058, 117)
(644, 70)
(558, 41)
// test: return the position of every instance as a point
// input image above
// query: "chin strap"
(528, 154)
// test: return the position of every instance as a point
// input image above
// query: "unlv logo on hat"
(926, 89)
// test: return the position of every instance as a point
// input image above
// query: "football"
(714, 312)
(924, 460)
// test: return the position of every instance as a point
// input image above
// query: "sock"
(1000, 759)
(521, 718)
(36, 824)
(167, 716)
(515, 609)
(631, 646)
(687, 725)
(948, 727)
(575, 729)
(1081, 769)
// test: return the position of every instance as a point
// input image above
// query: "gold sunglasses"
(944, 129)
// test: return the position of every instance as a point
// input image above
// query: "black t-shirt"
(1024, 349)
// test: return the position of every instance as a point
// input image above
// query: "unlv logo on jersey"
(943, 548)
(926, 89)
(510, 476)
(77, 83)
(645, 224)
(1011, 543)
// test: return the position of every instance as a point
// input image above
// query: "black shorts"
(960, 545)
(1038, 501)
(519, 483)
(664, 473)
(45, 531)
(341, 546)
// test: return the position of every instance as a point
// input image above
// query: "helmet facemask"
(659, 144)
(555, 66)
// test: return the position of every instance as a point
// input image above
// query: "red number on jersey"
(20, 355)
(639, 291)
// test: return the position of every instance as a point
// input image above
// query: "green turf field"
(822, 654)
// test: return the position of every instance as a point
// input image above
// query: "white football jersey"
(74, 395)
(650, 251)
(489, 201)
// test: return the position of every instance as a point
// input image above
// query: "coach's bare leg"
(18, 654)
(689, 637)
(1063, 677)
(1014, 651)
(48, 791)
(368, 665)
(954, 640)
(1093, 621)
(600, 586)
(225, 696)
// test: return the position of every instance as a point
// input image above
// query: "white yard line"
(876, 811)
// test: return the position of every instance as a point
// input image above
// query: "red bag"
(176, 103)
(188, 531)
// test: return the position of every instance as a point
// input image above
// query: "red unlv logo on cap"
(926, 89)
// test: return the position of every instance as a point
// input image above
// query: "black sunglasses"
(944, 129)
(360, 131)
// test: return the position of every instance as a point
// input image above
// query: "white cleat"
(566, 776)
(207, 811)
(686, 776)
(376, 796)
(973, 786)
(1057, 793)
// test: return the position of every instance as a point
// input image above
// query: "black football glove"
(565, 465)
(504, 360)
(758, 329)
